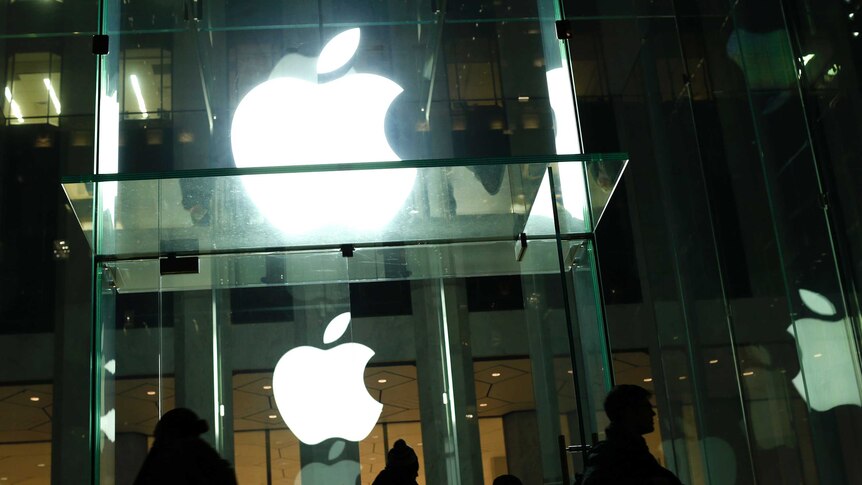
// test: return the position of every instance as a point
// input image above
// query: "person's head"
(628, 406)
(180, 423)
(507, 480)
(402, 460)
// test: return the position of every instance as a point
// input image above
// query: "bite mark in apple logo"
(321, 394)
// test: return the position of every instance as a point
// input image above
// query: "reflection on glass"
(25, 433)
(829, 373)
(32, 90)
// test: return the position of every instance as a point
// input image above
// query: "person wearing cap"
(180, 457)
(402, 466)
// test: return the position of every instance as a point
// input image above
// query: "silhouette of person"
(624, 459)
(180, 457)
(507, 480)
(402, 466)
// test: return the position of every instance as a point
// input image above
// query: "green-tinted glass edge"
(338, 167)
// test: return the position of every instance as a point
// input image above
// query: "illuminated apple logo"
(828, 368)
(321, 394)
(294, 119)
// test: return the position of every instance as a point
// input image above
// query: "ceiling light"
(267, 387)
(523, 99)
(495, 374)
(136, 87)
(382, 381)
(648, 379)
(53, 94)
(151, 393)
(41, 465)
(713, 361)
(682, 378)
(483, 405)
(273, 416)
(34, 398)
(818, 355)
(570, 371)
(13, 106)
(748, 373)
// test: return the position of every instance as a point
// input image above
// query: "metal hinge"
(564, 29)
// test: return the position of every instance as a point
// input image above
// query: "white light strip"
(137, 88)
(13, 106)
(54, 99)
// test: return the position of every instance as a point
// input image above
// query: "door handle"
(578, 448)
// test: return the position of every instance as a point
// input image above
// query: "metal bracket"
(347, 250)
(174, 265)
(520, 246)
(564, 29)
(100, 44)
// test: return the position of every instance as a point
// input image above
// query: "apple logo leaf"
(336, 328)
(336, 449)
(338, 51)
(817, 303)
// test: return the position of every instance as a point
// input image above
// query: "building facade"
(546, 198)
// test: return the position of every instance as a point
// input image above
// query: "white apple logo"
(321, 394)
(293, 119)
(828, 374)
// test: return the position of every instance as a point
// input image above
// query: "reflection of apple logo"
(342, 472)
(294, 119)
(828, 368)
(321, 394)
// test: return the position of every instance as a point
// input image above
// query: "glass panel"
(469, 360)
(135, 366)
(274, 85)
(602, 181)
(46, 131)
(825, 370)
(141, 216)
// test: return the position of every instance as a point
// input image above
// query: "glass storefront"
(326, 226)
(456, 330)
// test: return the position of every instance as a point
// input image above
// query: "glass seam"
(341, 167)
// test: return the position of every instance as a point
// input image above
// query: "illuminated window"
(32, 92)
(146, 80)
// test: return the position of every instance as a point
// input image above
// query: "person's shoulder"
(382, 478)
(604, 451)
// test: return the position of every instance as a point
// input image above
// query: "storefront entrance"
(485, 353)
